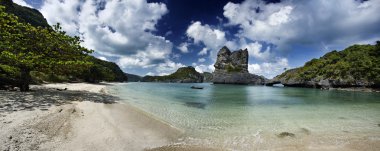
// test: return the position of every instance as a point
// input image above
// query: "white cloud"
(255, 50)
(183, 47)
(150, 74)
(289, 22)
(121, 29)
(269, 69)
(204, 68)
(168, 33)
(201, 60)
(168, 67)
(22, 3)
(203, 52)
(103, 58)
(215, 39)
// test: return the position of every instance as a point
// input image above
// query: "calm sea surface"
(249, 117)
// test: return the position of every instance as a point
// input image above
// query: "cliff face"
(182, 75)
(207, 77)
(232, 68)
(356, 66)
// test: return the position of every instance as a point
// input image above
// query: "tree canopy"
(353, 64)
(24, 48)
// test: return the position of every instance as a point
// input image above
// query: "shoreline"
(83, 117)
(90, 117)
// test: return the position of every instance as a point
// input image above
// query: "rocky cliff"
(207, 77)
(232, 68)
(356, 66)
(182, 75)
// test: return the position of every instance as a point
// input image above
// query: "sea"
(244, 117)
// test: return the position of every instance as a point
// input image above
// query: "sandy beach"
(87, 117)
(83, 117)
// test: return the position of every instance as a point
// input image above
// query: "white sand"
(81, 125)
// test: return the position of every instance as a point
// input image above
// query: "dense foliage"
(353, 64)
(36, 53)
(184, 73)
(24, 48)
(25, 14)
(103, 71)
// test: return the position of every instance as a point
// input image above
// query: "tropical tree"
(25, 48)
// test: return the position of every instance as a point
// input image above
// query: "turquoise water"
(243, 117)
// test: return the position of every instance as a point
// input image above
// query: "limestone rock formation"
(207, 77)
(232, 68)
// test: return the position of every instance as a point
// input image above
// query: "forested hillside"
(30, 52)
(357, 65)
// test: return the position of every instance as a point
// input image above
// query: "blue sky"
(156, 37)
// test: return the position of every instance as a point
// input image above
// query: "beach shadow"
(44, 98)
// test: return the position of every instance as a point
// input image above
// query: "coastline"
(83, 117)
(87, 117)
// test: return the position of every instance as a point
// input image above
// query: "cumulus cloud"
(121, 29)
(202, 52)
(214, 39)
(201, 60)
(306, 22)
(269, 69)
(22, 3)
(167, 67)
(183, 47)
(203, 68)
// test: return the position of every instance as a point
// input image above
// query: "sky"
(156, 37)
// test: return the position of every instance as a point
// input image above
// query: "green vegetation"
(34, 54)
(353, 64)
(25, 14)
(103, 71)
(27, 48)
(183, 74)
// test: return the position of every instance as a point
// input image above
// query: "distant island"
(182, 75)
(355, 66)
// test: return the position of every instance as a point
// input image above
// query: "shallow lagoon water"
(253, 117)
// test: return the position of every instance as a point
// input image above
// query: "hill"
(182, 75)
(31, 53)
(25, 14)
(133, 78)
(355, 66)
